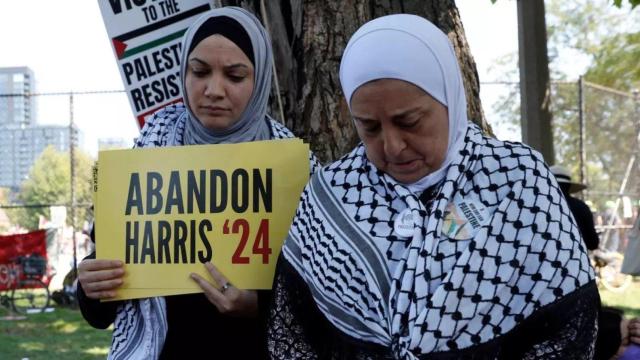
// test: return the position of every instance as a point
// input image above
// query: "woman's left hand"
(227, 298)
(634, 330)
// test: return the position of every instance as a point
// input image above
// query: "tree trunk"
(308, 40)
(535, 88)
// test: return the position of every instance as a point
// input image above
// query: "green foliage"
(616, 63)
(604, 37)
(607, 41)
(633, 3)
(609, 123)
(48, 183)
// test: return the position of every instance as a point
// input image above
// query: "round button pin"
(403, 224)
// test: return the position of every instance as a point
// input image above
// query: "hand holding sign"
(100, 278)
(226, 297)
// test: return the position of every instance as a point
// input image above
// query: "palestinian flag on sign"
(134, 42)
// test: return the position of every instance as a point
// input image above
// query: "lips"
(214, 110)
(406, 166)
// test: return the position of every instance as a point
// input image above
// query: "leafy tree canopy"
(616, 64)
(633, 3)
(48, 183)
(605, 39)
(602, 42)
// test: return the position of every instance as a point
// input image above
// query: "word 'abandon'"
(211, 191)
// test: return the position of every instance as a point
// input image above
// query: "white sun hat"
(563, 176)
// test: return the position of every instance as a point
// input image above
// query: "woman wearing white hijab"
(226, 74)
(429, 240)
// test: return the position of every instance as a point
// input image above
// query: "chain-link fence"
(595, 132)
(39, 186)
(611, 124)
(75, 125)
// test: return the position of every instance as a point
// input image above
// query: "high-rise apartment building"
(21, 140)
(17, 108)
(20, 147)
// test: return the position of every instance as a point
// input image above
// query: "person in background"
(631, 261)
(612, 236)
(579, 209)
(429, 240)
(226, 75)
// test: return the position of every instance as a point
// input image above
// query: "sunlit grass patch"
(32, 346)
(62, 334)
(97, 350)
(65, 327)
(628, 301)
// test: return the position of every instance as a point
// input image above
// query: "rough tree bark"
(308, 39)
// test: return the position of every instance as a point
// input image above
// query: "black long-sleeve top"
(195, 327)
(584, 219)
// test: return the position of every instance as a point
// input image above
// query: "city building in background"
(17, 108)
(22, 140)
(20, 147)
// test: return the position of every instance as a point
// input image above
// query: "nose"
(394, 143)
(215, 87)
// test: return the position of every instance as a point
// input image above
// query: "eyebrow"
(397, 117)
(364, 120)
(236, 66)
(405, 113)
(232, 66)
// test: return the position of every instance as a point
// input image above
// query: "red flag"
(13, 246)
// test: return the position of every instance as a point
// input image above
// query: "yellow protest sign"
(166, 211)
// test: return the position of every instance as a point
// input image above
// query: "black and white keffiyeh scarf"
(141, 325)
(496, 244)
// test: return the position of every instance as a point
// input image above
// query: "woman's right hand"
(100, 278)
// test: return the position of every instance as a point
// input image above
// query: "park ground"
(63, 334)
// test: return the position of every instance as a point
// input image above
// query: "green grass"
(628, 301)
(62, 334)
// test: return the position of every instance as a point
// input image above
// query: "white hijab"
(409, 48)
(422, 288)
